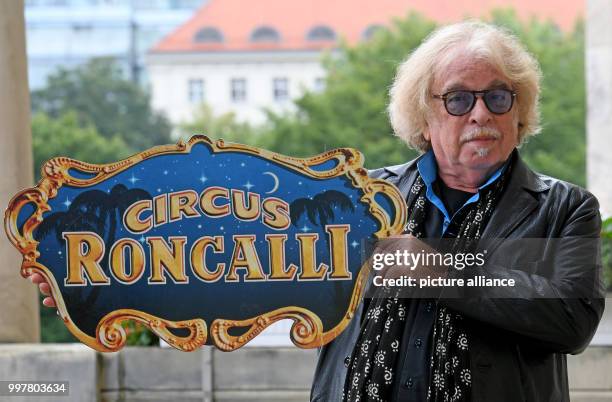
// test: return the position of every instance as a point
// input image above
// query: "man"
(467, 97)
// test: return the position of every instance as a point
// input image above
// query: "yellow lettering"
(84, 251)
(161, 213)
(276, 213)
(308, 257)
(276, 252)
(131, 218)
(170, 260)
(183, 203)
(241, 210)
(198, 258)
(207, 202)
(245, 256)
(338, 251)
(117, 260)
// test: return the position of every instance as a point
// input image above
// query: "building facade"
(248, 57)
(244, 83)
(67, 33)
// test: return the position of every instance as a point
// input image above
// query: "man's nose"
(480, 115)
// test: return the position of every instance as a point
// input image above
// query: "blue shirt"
(428, 169)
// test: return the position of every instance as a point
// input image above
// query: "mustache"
(480, 133)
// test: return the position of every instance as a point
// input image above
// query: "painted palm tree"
(320, 208)
(95, 211)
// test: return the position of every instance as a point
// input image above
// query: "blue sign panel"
(204, 242)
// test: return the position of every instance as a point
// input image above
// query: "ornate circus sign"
(204, 242)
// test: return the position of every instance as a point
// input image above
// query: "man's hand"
(45, 289)
(412, 245)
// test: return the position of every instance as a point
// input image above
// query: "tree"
(100, 96)
(225, 126)
(352, 109)
(65, 136)
(560, 149)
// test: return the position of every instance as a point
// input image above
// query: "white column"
(19, 319)
(599, 101)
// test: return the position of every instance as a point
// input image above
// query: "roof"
(236, 20)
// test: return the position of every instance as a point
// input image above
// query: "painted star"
(141, 239)
(67, 203)
(133, 179)
(304, 228)
(248, 185)
(354, 244)
(203, 179)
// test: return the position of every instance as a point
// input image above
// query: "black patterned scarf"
(371, 370)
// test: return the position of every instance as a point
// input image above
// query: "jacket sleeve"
(557, 310)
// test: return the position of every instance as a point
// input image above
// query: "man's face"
(496, 135)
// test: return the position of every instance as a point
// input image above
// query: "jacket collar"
(522, 176)
(400, 170)
(525, 177)
(517, 202)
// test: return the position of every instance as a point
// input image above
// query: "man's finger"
(49, 302)
(37, 278)
(45, 289)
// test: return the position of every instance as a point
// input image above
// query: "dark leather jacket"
(518, 345)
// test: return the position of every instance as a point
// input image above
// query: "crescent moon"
(275, 177)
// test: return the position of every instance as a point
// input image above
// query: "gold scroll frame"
(307, 329)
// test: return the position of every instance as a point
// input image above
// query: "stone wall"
(249, 374)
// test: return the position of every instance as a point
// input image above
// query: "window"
(82, 27)
(280, 88)
(196, 91)
(370, 31)
(319, 84)
(321, 32)
(238, 89)
(208, 35)
(265, 34)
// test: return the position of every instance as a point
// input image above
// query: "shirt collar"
(428, 169)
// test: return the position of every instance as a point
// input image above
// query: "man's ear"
(426, 133)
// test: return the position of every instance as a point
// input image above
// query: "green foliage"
(101, 97)
(559, 150)
(139, 335)
(52, 328)
(65, 136)
(352, 109)
(223, 126)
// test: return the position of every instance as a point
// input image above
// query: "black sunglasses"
(458, 103)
